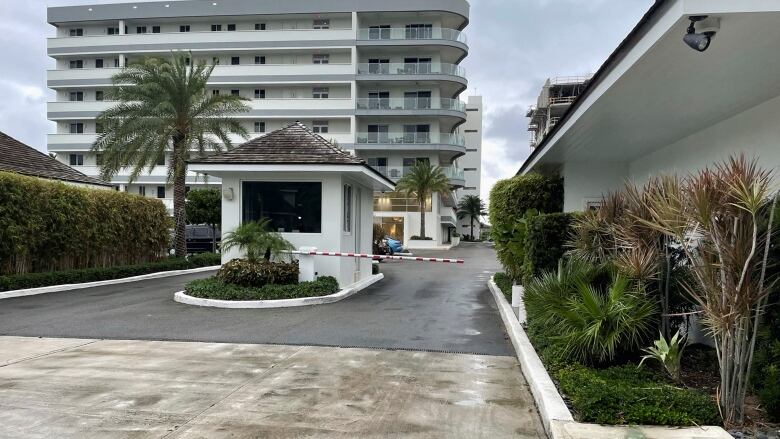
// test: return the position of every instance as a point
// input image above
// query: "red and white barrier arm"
(378, 257)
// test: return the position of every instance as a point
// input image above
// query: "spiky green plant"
(422, 181)
(256, 238)
(668, 353)
(163, 105)
(473, 207)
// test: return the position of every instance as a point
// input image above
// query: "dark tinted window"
(291, 207)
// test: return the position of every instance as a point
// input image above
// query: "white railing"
(397, 138)
(401, 33)
(410, 104)
(411, 69)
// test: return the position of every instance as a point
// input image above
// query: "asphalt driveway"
(418, 306)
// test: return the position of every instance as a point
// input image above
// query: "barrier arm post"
(306, 271)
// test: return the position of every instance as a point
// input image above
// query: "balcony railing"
(399, 138)
(453, 173)
(410, 104)
(400, 33)
(411, 69)
(562, 100)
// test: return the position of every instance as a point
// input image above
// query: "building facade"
(381, 79)
(471, 163)
(557, 95)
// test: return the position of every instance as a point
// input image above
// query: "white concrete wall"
(587, 181)
(331, 237)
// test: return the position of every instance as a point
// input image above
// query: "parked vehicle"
(394, 245)
(200, 239)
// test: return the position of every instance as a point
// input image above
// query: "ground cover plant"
(49, 226)
(35, 280)
(213, 288)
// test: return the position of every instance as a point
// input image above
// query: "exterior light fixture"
(228, 193)
(699, 41)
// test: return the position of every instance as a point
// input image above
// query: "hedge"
(257, 274)
(35, 280)
(545, 242)
(52, 226)
(213, 288)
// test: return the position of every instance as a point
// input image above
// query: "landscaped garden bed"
(37, 280)
(609, 296)
(216, 289)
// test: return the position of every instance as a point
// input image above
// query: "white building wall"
(585, 182)
(471, 163)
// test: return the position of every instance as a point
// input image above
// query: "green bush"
(50, 226)
(504, 283)
(259, 273)
(205, 260)
(374, 269)
(545, 242)
(627, 395)
(35, 280)
(213, 288)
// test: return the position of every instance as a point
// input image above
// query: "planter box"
(419, 244)
(455, 241)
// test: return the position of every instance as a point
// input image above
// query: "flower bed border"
(556, 417)
(183, 297)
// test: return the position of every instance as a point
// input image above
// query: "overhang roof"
(654, 90)
(292, 146)
(17, 157)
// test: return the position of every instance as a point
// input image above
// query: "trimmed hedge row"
(35, 280)
(545, 242)
(213, 288)
(257, 274)
(52, 226)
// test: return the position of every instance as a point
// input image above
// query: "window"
(419, 31)
(398, 202)
(259, 127)
(216, 27)
(231, 27)
(472, 109)
(417, 134)
(347, 220)
(259, 26)
(320, 58)
(470, 188)
(259, 60)
(215, 92)
(471, 150)
(116, 62)
(99, 95)
(76, 64)
(77, 159)
(235, 93)
(160, 160)
(259, 93)
(99, 159)
(160, 191)
(155, 29)
(142, 191)
(77, 128)
(184, 28)
(471, 131)
(76, 96)
(291, 207)
(469, 169)
(381, 32)
(215, 60)
(320, 92)
(378, 163)
(417, 100)
(112, 30)
(187, 61)
(234, 61)
(140, 29)
(320, 126)
(99, 63)
(321, 24)
(77, 32)
(379, 66)
(378, 134)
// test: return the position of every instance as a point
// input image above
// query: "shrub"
(375, 269)
(258, 273)
(257, 239)
(627, 395)
(510, 199)
(213, 288)
(504, 283)
(35, 280)
(51, 226)
(545, 241)
(205, 260)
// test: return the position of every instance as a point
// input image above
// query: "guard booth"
(315, 195)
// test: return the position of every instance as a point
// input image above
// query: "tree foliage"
(163, 106)
(204, 206)
(422, 181)
(473, 207)
(256, 238)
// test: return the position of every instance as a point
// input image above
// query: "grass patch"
(36, 280)
(213, 288)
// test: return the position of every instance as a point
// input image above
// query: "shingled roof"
(293, 144)
(17, 157)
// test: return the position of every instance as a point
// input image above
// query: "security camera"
(700, 41)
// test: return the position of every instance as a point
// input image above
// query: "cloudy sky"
(514, 46)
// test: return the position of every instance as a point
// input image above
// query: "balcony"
(411, 34)
(197, 41)
(395, 173)
(455, 175)
(399, 138)
(411, 104)
(83, 142)
(411, 69)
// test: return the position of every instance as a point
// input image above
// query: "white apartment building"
(379, 78)
(471, 163)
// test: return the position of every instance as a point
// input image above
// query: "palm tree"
(256, 238)
(163, 105)
(421, 182)
(473, 207)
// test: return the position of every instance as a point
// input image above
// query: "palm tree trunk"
(422, 219)
(179, 198)
(472, 227)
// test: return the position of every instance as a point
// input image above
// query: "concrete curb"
(548, 400)
(69, 287)
(351, 290)
(556, 417)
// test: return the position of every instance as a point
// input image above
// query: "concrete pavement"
(81, 388)
(420, 306)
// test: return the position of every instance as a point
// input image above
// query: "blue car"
(395, 246)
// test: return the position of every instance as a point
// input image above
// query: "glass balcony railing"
(396, 172)
(453, 173)
(380, 68)
(417, 33)
(410, 104)
(399, 138)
